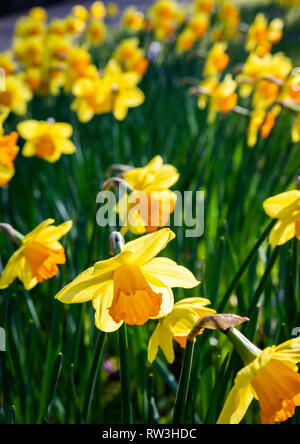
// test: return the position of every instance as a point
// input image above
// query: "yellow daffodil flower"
(132, 286)
(177, 325)
(27, 27)
(98, 10)
(38, 13)
(48, 140)
(217, 60)
(151, 202)
(8, 153)
(262, 35)
(74, 26)
(96, 32)
(30, 51)
(133, 19)
(115, 91)
(131, 56)
(269, 375)
(199, 25)
(286, 208)
(223, 98)
(16, 95)
(38, 255)
(186, 40)
(78, 67)
(80, 12)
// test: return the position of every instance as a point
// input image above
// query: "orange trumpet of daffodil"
(48, 140)
(131, 287)
(177, 325)
(269, 375)
(151, 202)
(37, 257)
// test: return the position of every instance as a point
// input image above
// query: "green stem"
(263, 281)
(245, 265)
(247, 351)
(296, 272)
(184, 382)
(125, 378)
(117, 243)
(97, 359)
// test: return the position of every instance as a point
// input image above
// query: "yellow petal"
(28, 129)
(282, 232)
(236, 405)
(67, 147)
(34, 233)
(283, 205)
(171, 274)
(161, 337)
(167, 297)
(289, 353)
(101, 304)
(28, 149)
(25, 275)
(10, 271)
(183, 319)
(61, 130)
(84, 288)
(147, 247)
(120, 109)
(52, 233)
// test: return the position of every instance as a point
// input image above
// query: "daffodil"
(217, 60)
(8, 153)
(177, 325)
(151, 202)
(286, 208)
(131, 56)
(261, 35)
(78, 67)
(133, 19)
(204, 5)
(38, 13)
(223, 97)
(7, 62)
(37, 256)
(48, 140)
(199, 25)
(80, 12)
(16, 95)
(96, 32)
(271, 376)
(98, 10)
(132, 286)
(186, 40)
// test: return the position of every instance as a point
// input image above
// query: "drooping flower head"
(271, 376)
(132, 286)
(37, 256)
